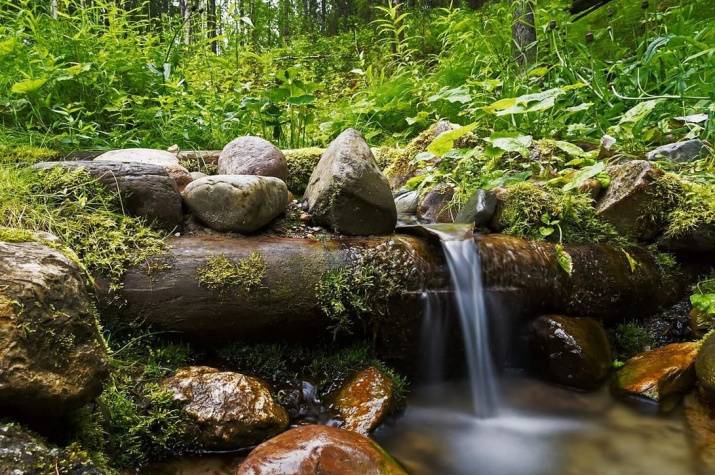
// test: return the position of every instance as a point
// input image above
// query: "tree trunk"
(524, 32)
(211, 25)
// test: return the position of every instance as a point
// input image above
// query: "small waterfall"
(434, 339)
(465, 270)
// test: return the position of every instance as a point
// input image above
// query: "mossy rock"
(705, 367)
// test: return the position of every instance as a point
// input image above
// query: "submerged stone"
(252, 156)
(365, 400)
(347, 191)
(312, 450)
(660, 373)
(570, 351)
(52, 358)
(241, 203)
(227, 410)
(147, 156)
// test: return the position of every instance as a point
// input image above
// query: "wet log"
(522, 277)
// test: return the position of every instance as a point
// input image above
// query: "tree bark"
(524, 32)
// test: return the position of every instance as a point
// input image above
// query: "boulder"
(241, 203)
(365, 400)
(705, 368)
(659, 374)
(686, 151)
(698, 238)
(197, 175)
(479, 209)
(632, 199)
(252, 156)
(147, 156)
(434, 206)
(312, 450)
(570, 351)
(406, 203)
(52, 358)
(146, 190)
(347, 192)
(24, 453)
(226, 410)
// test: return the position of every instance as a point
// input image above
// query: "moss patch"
(25, 154)
(534, 212)
(222, 274)
(301, 163)
(630, 339)
(362, 291)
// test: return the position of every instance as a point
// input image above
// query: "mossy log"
(526, 276)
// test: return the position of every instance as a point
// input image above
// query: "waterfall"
(465, 271)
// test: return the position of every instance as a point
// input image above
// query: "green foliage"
(631, 338)
(222, 274)
(703, 297)
(85, 217)
(25, 154)
(535, 212)
(362, 291)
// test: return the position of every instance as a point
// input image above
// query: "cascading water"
(465, 270)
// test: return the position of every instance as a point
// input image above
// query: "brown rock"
(705, 368)
(659, 373)
(319, 450)
(434, 206)
(162, 158)
(570, 351)
(632, 202)
(365, 400)
(229, 410)
(52, 358)
(252, 156)
(700, 420)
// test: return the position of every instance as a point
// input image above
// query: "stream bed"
(542, 430)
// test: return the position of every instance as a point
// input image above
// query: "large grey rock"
(24, 453)
(570, 351)
(479, 209)
(252, 156)
(632, 203)
(347, 192)
(51, 354)
(226, 410)
(146, 190)
(685, 151)
(241, 203)
(148, 156)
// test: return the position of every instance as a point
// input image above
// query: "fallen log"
(526, 276)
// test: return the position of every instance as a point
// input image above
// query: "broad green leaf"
(420, 118)
(581, 107)
(445, 142)
(28, 85)
(632, 263)
(7, 46)
(511, 142)
(538, 72)
(639, 112)
(585, 174)
(569, 148)
(303, 100)
(564, 259)
(704, 302)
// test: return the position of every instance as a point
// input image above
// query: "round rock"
(227, 410)
(252, 156)
(240, 203)
(311, 450)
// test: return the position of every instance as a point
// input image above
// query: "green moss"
(362, 291)
(15, 235)
(387, 156)
(26, 154)
(535, 212)
(86, 218)
(301, 163)
(694, 207)
(222, 274)
(631, 339)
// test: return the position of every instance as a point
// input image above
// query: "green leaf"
(585, 174)
(639, 112)
(564, 259)
(420, 118)
(546, 231)
(569, 148)
(510, 142)
(7, 46)
(28, 85)
(303, 100)
(631, 262)
(445, 142)
(704, 302)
